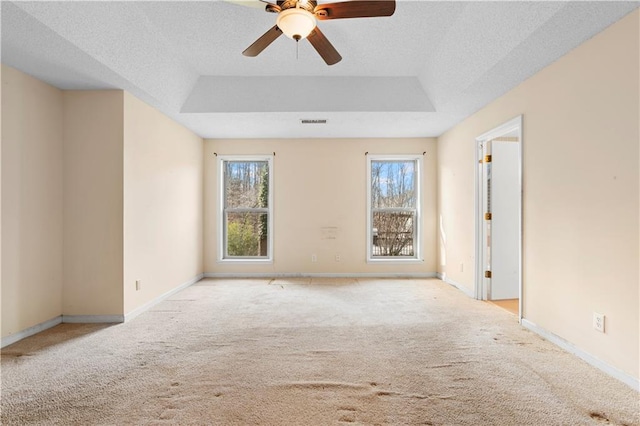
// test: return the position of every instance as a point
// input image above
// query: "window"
(393, 223)
(246, 203)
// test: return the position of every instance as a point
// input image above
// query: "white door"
(505, 220)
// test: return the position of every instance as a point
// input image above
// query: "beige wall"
(1, 84)
(320, 183)
(163, 181)
(69, 159)
(581, 193)
(31, 201)
(93, 182)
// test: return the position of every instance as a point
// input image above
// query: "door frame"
(481, 286)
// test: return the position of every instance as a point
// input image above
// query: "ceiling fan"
(297, 20)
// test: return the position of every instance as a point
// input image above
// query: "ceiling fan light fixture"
(296, 23)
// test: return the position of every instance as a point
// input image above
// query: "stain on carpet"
(600, 417)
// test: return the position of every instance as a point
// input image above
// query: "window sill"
(246, 261)
(395, 261)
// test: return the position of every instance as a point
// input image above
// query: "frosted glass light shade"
(296, 23)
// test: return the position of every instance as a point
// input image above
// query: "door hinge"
(487, 216)
(487, 158)
(487, 274)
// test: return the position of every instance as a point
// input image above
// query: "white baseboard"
(92, 319)
(13, 338)
(140, 309)
(459, 286)
(320, 275)
(625, 378)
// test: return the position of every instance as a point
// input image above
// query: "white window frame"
(222, 246)
(417, 240)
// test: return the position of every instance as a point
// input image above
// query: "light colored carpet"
(308, 352)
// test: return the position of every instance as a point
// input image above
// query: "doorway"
(499, 216)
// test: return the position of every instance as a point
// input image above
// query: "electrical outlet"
(138, 285)
(598, 322)
(337, 258)
(314, 258)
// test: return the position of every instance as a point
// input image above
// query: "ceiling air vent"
(308, 121)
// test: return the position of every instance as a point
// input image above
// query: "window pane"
(246, 184)
(393, 184)
(247, 234)
(393, 234)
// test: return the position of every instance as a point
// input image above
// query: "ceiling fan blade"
(265, 40)
(355, 9)
(324, 47)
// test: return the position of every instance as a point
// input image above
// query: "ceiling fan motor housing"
(296, 23)
(308, 5)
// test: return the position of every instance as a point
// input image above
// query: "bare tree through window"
(246, 208)
(393, 208)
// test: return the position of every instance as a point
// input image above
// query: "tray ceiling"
(414, 74)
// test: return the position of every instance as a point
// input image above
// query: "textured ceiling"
(416, 73)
